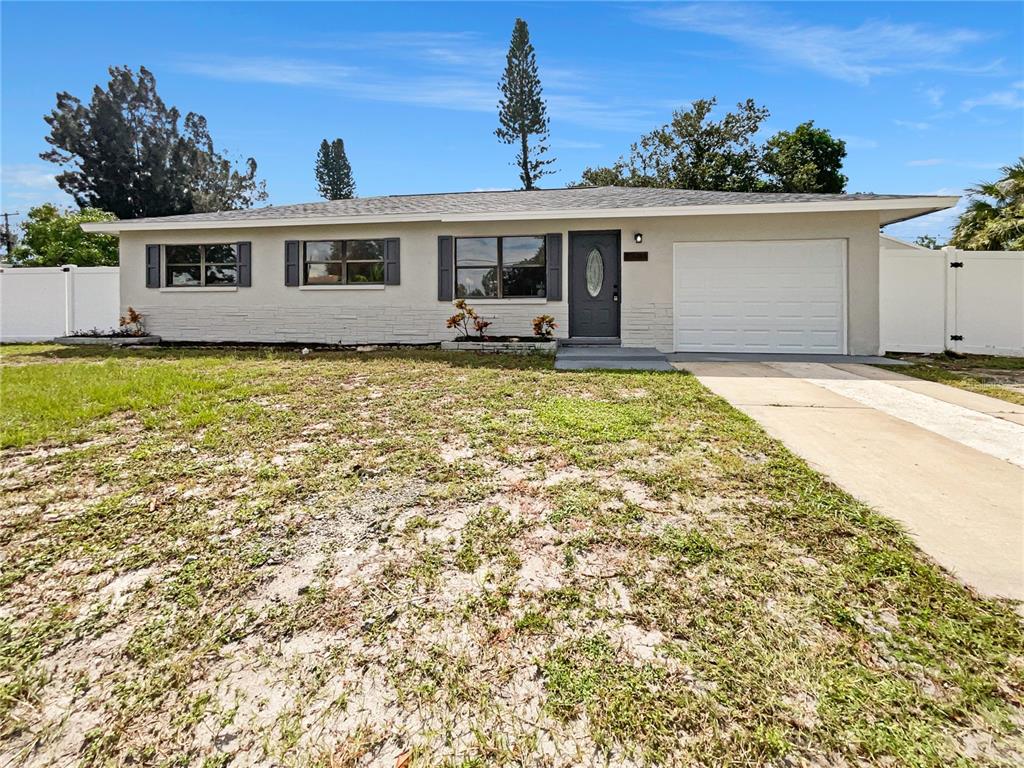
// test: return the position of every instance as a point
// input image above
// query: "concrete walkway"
(946, 463)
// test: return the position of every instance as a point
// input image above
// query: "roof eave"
(911, 206)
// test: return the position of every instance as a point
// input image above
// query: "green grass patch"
(636, 705)
(983, 374)
(585, 421)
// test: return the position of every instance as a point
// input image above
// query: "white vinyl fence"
(965, 301)
(41, 303)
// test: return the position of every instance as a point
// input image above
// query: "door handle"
(615, 293)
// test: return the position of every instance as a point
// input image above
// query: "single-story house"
(675, 269)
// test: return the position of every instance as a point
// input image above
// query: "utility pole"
(7, 235)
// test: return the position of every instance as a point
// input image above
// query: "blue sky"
(928, 96)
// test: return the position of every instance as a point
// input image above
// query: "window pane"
(182, 254)
(366, 250)
(220, 254)
(324, 274)
(476, 251)
(325, 250)
(522, 251)
(184, 275)
(217, 274)
(476, 282)
(523, 281)
(595, 272)
(366, 273)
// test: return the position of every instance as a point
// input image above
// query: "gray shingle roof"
(513, 201)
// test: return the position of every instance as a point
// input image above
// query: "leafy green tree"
(125, 152)
(994, 219)
(693, 152)
(333, 172)
(806, 159)
(522, 113)
(928, 241)
(51, 238)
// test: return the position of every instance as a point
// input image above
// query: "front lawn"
(221, 557)
(992, 375)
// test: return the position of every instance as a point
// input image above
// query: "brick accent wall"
(376, 324)
(647, 324)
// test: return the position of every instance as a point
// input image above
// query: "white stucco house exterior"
(673, 269)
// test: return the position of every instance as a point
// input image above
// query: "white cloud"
(433, 90)
(934, 161)
(599, 113)
(853, 54)
(438, 48)
(934, 96)
(1011, 98)
(916, 125)
(29, 184)
(573, 144)
(28, 176)
(267, 70)
(573, 99)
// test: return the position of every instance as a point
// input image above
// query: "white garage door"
(760, 296)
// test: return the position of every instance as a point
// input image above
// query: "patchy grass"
(992, 375)
(218, 557)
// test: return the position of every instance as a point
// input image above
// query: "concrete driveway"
(947, 464)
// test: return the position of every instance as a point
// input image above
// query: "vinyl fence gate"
(970, 302)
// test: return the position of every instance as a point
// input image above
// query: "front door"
(594, 284)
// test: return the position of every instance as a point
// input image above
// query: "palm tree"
(994, 219)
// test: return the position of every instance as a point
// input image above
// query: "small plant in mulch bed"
(131, 323)
(465, 319)
(544, 326)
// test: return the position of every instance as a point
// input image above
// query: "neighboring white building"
(674, 269)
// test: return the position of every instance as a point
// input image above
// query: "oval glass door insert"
(595, 272)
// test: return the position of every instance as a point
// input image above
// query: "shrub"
(467, 318)
(132, 324)
(544, 326)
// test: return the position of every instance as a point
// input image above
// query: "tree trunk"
(525, 160)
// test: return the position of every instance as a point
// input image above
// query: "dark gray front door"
(594, 283)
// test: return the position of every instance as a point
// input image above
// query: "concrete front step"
(590, 341)
(612, 353)
(612, 365)
(610, 358)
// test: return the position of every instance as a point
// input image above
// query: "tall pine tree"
(522, 113)
(333, 172)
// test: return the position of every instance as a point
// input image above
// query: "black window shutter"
(245, 265)
(445, 268)
(392, 264)
(553, 254)
(291, 262)
(152, 266)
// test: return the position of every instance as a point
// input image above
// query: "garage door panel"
(783, 296)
